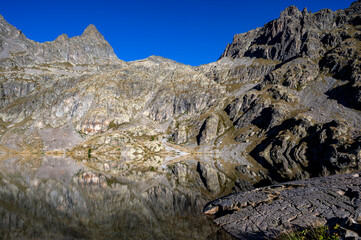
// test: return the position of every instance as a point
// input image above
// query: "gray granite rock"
(264, 213)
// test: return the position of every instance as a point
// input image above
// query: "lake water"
(46, 197)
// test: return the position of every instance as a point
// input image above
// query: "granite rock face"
(209, 129)
(90, 47)
(300, 149)
(325, 38)
(265, 213)
(293, 74)
(295, 34)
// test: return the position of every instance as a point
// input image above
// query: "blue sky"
(190, 32)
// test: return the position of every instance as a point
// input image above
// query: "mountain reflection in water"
(61, 198)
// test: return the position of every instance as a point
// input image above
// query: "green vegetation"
(112, 180)
(113, 125)
(89, 153)
(81, 133)
(318, 233)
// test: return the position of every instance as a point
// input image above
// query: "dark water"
(60, 198)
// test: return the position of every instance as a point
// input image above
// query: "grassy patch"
(317, 233)
(89, 153)
(113, 125)
(112, 180)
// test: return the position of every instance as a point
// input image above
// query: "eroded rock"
(266, 212)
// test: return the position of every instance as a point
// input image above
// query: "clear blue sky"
(191, 32)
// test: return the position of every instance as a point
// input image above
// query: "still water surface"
(45, 197)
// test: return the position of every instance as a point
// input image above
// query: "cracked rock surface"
(267, 212)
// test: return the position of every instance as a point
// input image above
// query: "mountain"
(152, 141)
(330, 39)
(18, 51)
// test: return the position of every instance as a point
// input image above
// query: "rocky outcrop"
(302, 41)
(18, 51)
(242, 111)
(267, 212)
(294, 34)
(278, 92)
(12, 90)
(344, 62)
(209, 130)
(252, 109)
(209, 177)
(300, 148)
(180, 133)
(242, 70)
(293, 74)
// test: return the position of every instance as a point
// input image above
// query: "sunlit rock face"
(145, 144)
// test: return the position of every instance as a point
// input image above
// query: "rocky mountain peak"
(88, 48)
(295, 34)
(304, 11)
(91, 32)
(6, 28)
(62, 38)
(3, 22)
(355, 3)
(291, 11)
(354, 8)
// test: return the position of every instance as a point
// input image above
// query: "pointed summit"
(354, 8)
(92, 33)
(291, 11)
(62, 38)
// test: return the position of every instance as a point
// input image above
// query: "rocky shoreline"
(265, 213)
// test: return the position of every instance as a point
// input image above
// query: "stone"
(269, 211)
(180, 134)
(209, 130)
(293, 74)
(209, 177)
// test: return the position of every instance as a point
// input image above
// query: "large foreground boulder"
(267, 212)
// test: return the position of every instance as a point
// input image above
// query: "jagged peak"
(355, 7)
(304, 11)
(92, 32)
(3, 21)
(61, 38)
(6, 28)
(291, 11)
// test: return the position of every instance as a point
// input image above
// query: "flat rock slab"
(266, 212)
